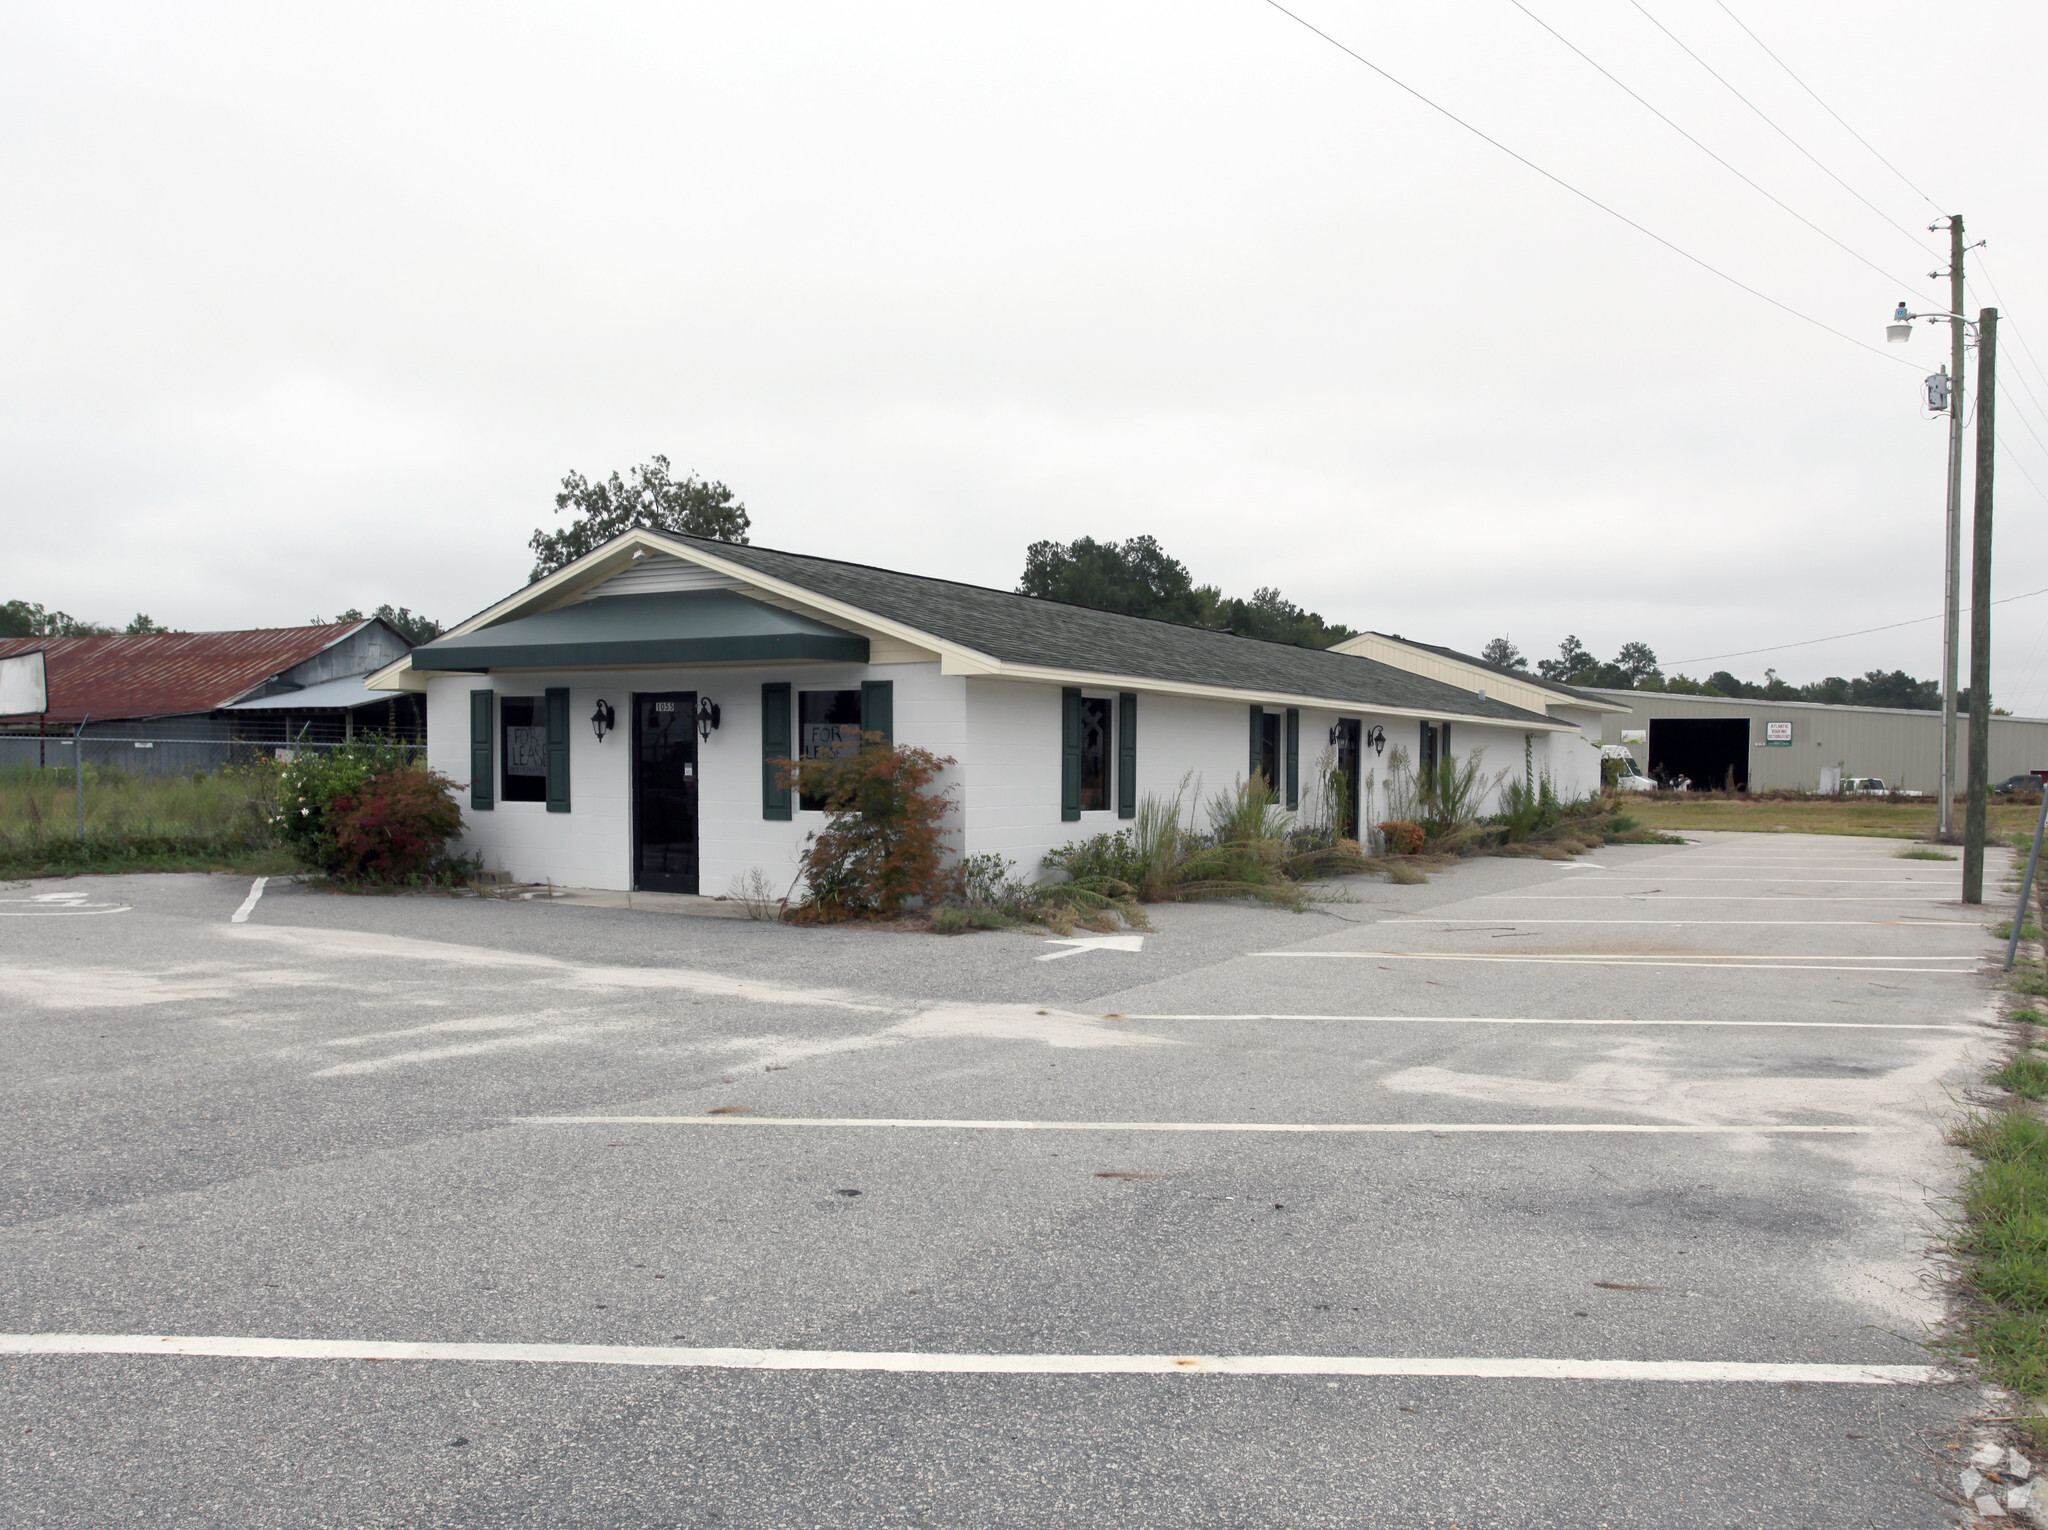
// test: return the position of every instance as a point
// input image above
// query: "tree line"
(1635, 668)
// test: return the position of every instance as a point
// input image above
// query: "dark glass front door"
(665, 792)
(1350, 736)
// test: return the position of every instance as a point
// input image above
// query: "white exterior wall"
(591, 845)
(1004, 734)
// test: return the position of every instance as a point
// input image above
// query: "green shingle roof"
(1021, 629)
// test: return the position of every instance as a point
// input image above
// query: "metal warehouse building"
(1772, 745)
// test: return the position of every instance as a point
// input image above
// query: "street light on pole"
(1951, 390)
(1983, 330)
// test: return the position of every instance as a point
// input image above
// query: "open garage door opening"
(1712, 751)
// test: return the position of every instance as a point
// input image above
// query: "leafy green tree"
(1270, 616)
(1136, 577)
(25, 618)
(1139, 578)
(1501, 651)
(1573, 658)
(648, 497)
(141, 623)
(1637, 661)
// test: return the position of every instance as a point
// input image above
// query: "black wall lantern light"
(707, 717)
(1376, 738)
(603, 720)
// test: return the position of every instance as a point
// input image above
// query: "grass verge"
(103, 857)
(1883, 817)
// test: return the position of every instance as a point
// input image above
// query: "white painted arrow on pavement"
(1081, 943)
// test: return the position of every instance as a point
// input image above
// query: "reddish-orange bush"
(1402, 837)
(397, 826)
(883, 844)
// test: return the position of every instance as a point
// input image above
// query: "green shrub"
(396, 827)
(1103, 858)
(882, 849)
(950, 921)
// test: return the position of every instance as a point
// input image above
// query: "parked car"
(2021, 783)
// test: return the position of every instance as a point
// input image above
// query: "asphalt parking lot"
(1575, 1195)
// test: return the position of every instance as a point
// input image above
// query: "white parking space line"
(1434, 1128)
(1713, 963)
(1790, 1025)
(916, 1361)
(1974, 926)
(1652, 876)
(241, 915)
(1643, 897)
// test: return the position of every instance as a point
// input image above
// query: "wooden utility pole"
(1951, 635)
(1980, 608)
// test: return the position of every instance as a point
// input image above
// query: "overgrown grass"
(1924, 853)
(2002, 1244)
(221, 820)
(2025, 1076)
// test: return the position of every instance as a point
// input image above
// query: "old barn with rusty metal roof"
(268, 684)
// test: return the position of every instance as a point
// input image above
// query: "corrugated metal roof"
(349, 691)
(160, 674)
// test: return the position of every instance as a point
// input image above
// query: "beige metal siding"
(1901, 748)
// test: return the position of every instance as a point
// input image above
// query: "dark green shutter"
(1126, 755)
(482, 725)
(774, 746)
(1258, 743)
(878, 708)
(1443, 742)
(1293, 758)
(1070, 755)
(558, 749)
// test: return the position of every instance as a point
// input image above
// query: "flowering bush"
(883, 843)
(310, 781)
(396, 827)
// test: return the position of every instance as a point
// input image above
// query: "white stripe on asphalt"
(1436, 1127)
(1747, 964)
(1794, 1025)
(917, 1361)
(1651, 876)
(1679, 898)
(241, 915)
(1890, 924)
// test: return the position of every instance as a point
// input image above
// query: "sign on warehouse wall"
(1777, 733)
(24, 686)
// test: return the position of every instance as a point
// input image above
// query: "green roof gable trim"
(671, 627)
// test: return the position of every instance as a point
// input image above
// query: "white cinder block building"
(614, 723)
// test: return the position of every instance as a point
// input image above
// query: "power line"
(1583, 196)
(1895, 170)
(1859, 196)
(1838, 636)
(1717, 159)
(1984, 270)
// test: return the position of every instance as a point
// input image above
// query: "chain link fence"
(101, 802)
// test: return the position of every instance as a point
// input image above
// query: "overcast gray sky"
(303, 309)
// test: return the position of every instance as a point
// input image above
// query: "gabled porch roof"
(672, 627)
